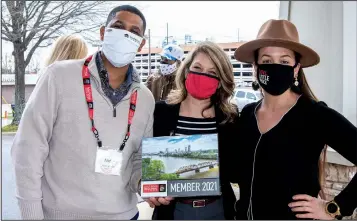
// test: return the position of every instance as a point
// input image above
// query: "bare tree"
(7, 66)
(29, 25)
(34, 65)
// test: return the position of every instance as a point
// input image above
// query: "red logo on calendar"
(150, 188)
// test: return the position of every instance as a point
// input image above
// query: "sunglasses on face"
(164, 60)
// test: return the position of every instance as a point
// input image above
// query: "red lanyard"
(89, 98)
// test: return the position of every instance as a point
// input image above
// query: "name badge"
(108, 161)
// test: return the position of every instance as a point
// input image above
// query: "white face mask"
(120, 46)
(167, 69)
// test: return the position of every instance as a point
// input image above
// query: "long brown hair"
(304, 89)
(224, 73)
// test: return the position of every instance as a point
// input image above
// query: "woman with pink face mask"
(199, 105)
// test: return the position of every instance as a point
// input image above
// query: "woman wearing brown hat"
(284, 134)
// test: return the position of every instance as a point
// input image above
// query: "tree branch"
(6, 30)
(34, 11)
(33, 49)
(37, 23)
(5, 38)
(46, 45)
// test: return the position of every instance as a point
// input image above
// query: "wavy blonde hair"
(224, 73)
(68, 47)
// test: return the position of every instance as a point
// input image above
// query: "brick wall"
(337, 177)
(8, 92)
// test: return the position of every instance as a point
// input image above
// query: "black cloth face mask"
(275, 79)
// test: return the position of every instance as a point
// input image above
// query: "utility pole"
(98, 44)
(149, 54)
(167, 33)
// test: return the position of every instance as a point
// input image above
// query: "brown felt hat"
(277, 33)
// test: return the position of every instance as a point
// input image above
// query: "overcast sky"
(219, 20)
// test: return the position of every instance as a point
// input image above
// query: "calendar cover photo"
(180, 166)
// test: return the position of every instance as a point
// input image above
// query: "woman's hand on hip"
(308, 207)
(157, 201)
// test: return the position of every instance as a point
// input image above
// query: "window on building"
(226, 49)
(247, 66)
(236, 65)
(247, 74)
(236, 73)
(153, 60)
(232, 57)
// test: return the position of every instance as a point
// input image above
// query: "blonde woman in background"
(68, 47)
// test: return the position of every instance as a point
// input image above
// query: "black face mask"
(275, 79)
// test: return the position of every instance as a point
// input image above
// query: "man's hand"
(157, 201)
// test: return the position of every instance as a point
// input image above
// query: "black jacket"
(165, 119)
(283, 162)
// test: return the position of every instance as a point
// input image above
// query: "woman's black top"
(283, 162)
(167, 122)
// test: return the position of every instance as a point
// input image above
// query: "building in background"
(188, 39)
(8, 91)
(8, 86)
(242, 72)
(168, 40)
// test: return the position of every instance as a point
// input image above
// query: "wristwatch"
(333, 210)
